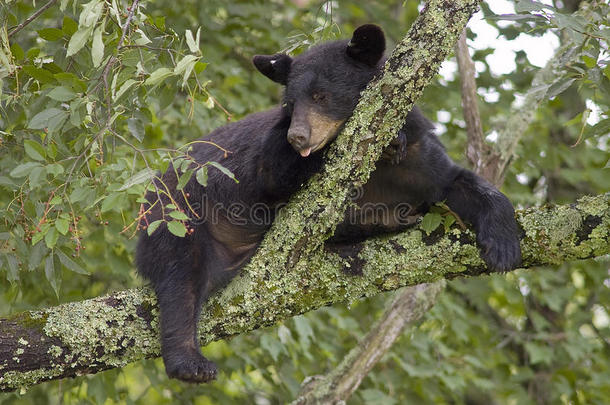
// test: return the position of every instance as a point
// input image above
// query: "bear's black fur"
(273, 153)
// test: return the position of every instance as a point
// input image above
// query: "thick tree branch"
(111, 331)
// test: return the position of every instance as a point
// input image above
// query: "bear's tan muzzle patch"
(323, 129)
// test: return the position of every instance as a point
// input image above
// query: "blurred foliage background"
(86, 116)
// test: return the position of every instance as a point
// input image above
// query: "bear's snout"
(298, 137)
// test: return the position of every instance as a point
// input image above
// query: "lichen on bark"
(105, 332)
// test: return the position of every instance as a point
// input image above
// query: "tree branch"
(111, 331)
(408, 306)
(520, 118)
(483, 159)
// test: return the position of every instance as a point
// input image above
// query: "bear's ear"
(275, 67)
(367, 44)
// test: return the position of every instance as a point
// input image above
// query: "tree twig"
(32, 18)
(131, 11)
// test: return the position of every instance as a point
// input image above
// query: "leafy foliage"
(91, 107)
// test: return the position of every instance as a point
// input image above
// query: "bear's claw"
(193, 368)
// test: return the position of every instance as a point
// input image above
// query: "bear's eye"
(318, 97)
(287, 104)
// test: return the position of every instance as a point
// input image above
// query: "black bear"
(273, 153)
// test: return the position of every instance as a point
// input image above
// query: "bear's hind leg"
(180, 297)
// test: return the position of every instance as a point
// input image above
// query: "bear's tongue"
(305, 152)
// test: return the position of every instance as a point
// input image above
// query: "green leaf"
(24, 169)
(136, 128)
(38, 236)
(202, 176)
(79, 39)
(305, 331)
(53, 277)
(91, 13)
(449, 220)
(124, 87)
(184, 178)
(375, 396)
(143, 39)
(36, 254)
(271, 345)
(61, 93)
(69, 26)
(138, 178)
(590, 62)
(153, 226)
(97, 47)
(70, 264)
(158, 76)
(51, 34)
(430, 222)
(50, 238)
(62, 225)
(111, 201)
(179, 215)
(34, 150)
(200, 67)
(193, 43)
(13, 268)
(79, 194)
(56, 122)
(539, 353)
(40, 74)
(559, 86)
(17, 51)
(185, 67)
(43, 118)
(54, 169)
(573, 22)
(37, 177)
(529, 5)
(223, 169)
(177, 228)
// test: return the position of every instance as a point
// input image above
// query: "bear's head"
(323, 84)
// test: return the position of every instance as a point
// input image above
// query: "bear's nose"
(297, 138)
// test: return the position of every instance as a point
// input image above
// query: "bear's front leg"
(180, 297)
(493, 217)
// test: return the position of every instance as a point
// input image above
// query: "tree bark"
(111, 331)
(483, 159)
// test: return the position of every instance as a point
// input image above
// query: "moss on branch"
(111, 331)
